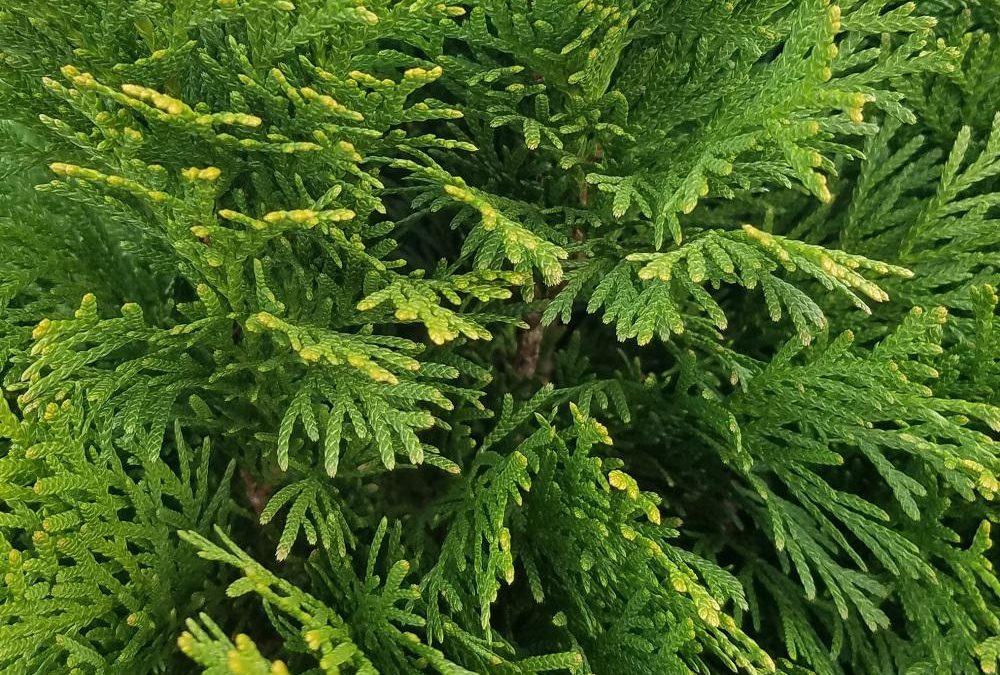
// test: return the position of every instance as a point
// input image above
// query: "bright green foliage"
(96, 577)
(494, 336)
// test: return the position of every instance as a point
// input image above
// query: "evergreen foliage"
(499, 336)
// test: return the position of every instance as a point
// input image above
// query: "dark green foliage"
(484, 336)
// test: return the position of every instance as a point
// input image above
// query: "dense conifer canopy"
(499, 336)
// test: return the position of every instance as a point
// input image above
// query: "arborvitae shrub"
(499, 336)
